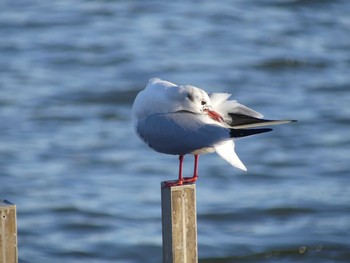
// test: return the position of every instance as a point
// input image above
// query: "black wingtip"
(246, 122)
(238, 133)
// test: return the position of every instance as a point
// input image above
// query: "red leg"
(181, 160)
(180, 180)
(195, 172)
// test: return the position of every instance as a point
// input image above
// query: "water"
(87, 190)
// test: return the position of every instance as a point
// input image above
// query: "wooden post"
(179, 224)
(8, 232)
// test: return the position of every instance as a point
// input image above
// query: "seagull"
(183, 119)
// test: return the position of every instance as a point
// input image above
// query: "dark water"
(87, 190)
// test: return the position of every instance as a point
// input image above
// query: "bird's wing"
(179, 133)
(183, 132)
(240, 121)
(237, 115)
(224, 106)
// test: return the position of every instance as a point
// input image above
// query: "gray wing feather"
(179, 133)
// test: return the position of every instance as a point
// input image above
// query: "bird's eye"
(203, 102)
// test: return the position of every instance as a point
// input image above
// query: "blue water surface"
(88, 190)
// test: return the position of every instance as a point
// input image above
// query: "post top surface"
(191, 186)
(5, 203)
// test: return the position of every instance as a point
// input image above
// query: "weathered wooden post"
(179, 224)
(8, 232)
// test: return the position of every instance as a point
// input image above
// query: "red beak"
(214, 115)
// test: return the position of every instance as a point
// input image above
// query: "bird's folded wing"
(224, 106)
(179, 133)
(239, 121)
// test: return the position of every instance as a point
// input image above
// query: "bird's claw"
(191, 180)
(186, 180)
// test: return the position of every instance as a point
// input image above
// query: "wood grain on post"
(179, 224)
(8, 232)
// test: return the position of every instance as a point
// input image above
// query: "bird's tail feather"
(227, 151)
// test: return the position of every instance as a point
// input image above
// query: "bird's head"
(166, 97)
(193, 99)
(197, 101)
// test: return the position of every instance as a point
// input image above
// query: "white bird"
(183, 119)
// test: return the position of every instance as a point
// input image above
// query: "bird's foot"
(186, 180)
(190, 180)
(168, 184)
